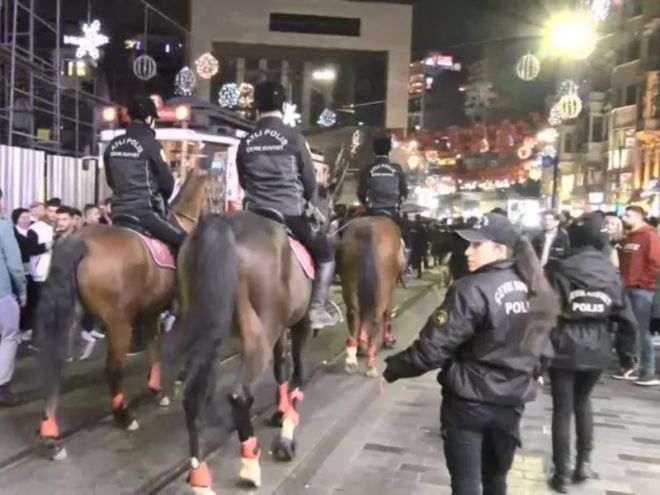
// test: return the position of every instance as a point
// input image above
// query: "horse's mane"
(185, 189)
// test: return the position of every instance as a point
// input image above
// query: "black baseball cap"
(588, 230)
(492, 227)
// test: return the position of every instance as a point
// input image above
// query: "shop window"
(597, 129)
(631, 95)
(568, 143)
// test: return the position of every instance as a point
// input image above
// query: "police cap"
(141, 108)
(382, 146)
(269, 96)
(492, 227)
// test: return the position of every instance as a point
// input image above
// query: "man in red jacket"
(640, 265)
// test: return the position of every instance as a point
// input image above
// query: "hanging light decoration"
(568, 87)
(524, 152)
(229, 95)
(89, 42)
(328, 118)
(246, 95)
(600, 8)
(207, 66)
(185, 82)
(528, 67)
(145, 67)
(555, 117)
(291, 117)
(570, 106)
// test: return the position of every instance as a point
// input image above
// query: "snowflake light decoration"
(328, 118)
(229, 95)
(291, 117)
(568, 87)
(90, 41)
(555, 117)
(185, 82)
(207, 66)
(246, 95)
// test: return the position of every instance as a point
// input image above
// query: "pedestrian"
(486, 338)
(592, 297)
(639, 258)
(13, 293)
(553, 241)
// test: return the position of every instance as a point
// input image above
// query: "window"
(633, 50)
(315, 24)
(631, 95)
(597, 129)
(75, 68)
(568, 143)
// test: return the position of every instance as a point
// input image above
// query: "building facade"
(298, 41)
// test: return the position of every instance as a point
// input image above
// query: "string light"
(555, 117)
(568, 87)
(528, 67)
(246, 95)
(185, 82)
(291, 117)
(229, 95)
(207, 66)
(570, 106)
(90, 41)
(144, 67)
(328, 118)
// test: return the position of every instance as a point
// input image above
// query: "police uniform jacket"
(382, 185)
(136, 171)
(275, 168)
(475, 337)
(592, 295)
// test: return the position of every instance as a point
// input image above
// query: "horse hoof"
(198, 490)
(164, 402)
(389, 344)
(133, 426)
(371, 373)
(276, 419)
(59, 454)
(250, 474)
(285, 449)
(361, 351)
(351, 367)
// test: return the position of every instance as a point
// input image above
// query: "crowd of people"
(27, 241)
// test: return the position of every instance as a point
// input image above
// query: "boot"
(583, 470)
(559, 483)
(319, 317)
(7, 399)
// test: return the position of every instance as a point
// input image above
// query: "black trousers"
(161, 229)
(317, 243)
(480, 442)
(571, 393)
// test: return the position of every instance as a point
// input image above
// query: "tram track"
(173, 472)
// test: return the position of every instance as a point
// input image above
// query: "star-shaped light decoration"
(90, 41)
(291, 117)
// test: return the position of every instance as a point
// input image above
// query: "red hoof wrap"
(371, 352)
(117, 401)
(154, 377)
(49, 428)
(200, 477)
(283, 403)
(250, 449)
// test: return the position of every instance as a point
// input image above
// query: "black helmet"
(141, 108)
(382, 146)
(269, 96)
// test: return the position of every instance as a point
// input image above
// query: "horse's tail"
(56, 311)
(211, 266)
(367, 274)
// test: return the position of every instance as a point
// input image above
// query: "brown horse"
(109, 272)
(371, 257)
(238, 271)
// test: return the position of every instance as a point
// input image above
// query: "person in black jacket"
(552, 242)
(140, 177)
(592, 296)
(486, 338)
(383, 187)
(276, 171)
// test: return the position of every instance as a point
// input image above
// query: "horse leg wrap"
(291, 417)
(363, 335)
(250, 470)
(49, 428)
(118, 402)
(388, 336)
(371, 352)
(200, 474)
(351, 342)
(155, 377)
(283, 402)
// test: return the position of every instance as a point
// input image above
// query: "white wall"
(384, 27)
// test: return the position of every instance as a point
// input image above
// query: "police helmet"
(382, 146)
(269, 96)
(141, 108)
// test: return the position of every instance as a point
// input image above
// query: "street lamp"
(571, 35)
(326, 74)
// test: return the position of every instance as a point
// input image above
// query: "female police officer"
(486, 337)
(592, 295)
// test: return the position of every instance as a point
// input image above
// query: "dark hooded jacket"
(592, 296)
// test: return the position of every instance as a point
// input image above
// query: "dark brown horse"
(371, 257)
(238, 271)
(109, 272)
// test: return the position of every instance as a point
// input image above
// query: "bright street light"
(326, 74)
(548, 135)
(571, 35)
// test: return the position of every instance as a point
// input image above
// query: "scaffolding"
(40, 109)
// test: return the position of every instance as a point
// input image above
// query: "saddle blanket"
(303, 257)
(160, 252)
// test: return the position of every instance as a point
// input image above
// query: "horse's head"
(192, 199)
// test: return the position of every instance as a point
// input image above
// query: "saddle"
(160, 252)
(301, 253)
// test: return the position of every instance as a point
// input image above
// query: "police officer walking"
(140, 177)
(276, 171)
(592, 296)
(383, 188)
(486, 338)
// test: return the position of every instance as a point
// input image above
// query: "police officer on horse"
(276, 171)
(140, 177)
(383, 187)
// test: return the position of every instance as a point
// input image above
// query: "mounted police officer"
(140, 177)
(276, 171)
(383, 187)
